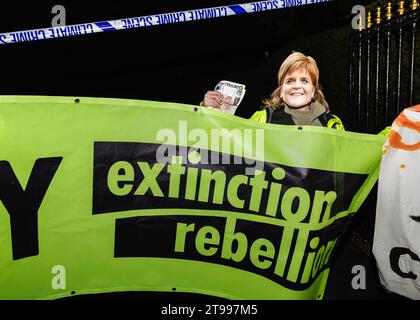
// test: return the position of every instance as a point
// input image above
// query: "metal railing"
(384, 66)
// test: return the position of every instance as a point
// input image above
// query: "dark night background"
(180, 62)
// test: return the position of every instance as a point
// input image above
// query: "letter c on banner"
(394, 259)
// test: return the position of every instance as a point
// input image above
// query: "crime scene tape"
(151, 20)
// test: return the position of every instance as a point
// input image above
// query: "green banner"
(113, 195)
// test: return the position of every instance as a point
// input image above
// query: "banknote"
(233, 92)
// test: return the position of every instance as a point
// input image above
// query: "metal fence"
(384, 78)
(384, 75)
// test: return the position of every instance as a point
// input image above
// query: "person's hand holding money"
(227, 104)
(215, 99)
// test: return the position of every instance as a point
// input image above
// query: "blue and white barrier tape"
(146, 21)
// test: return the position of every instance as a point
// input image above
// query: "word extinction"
(122, 180)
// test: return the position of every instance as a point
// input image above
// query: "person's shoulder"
(334, 122)
(385, 132)
(260, 116)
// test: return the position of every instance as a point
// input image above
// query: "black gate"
(384, 78)
(384, 66)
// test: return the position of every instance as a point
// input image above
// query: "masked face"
(297, 89)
